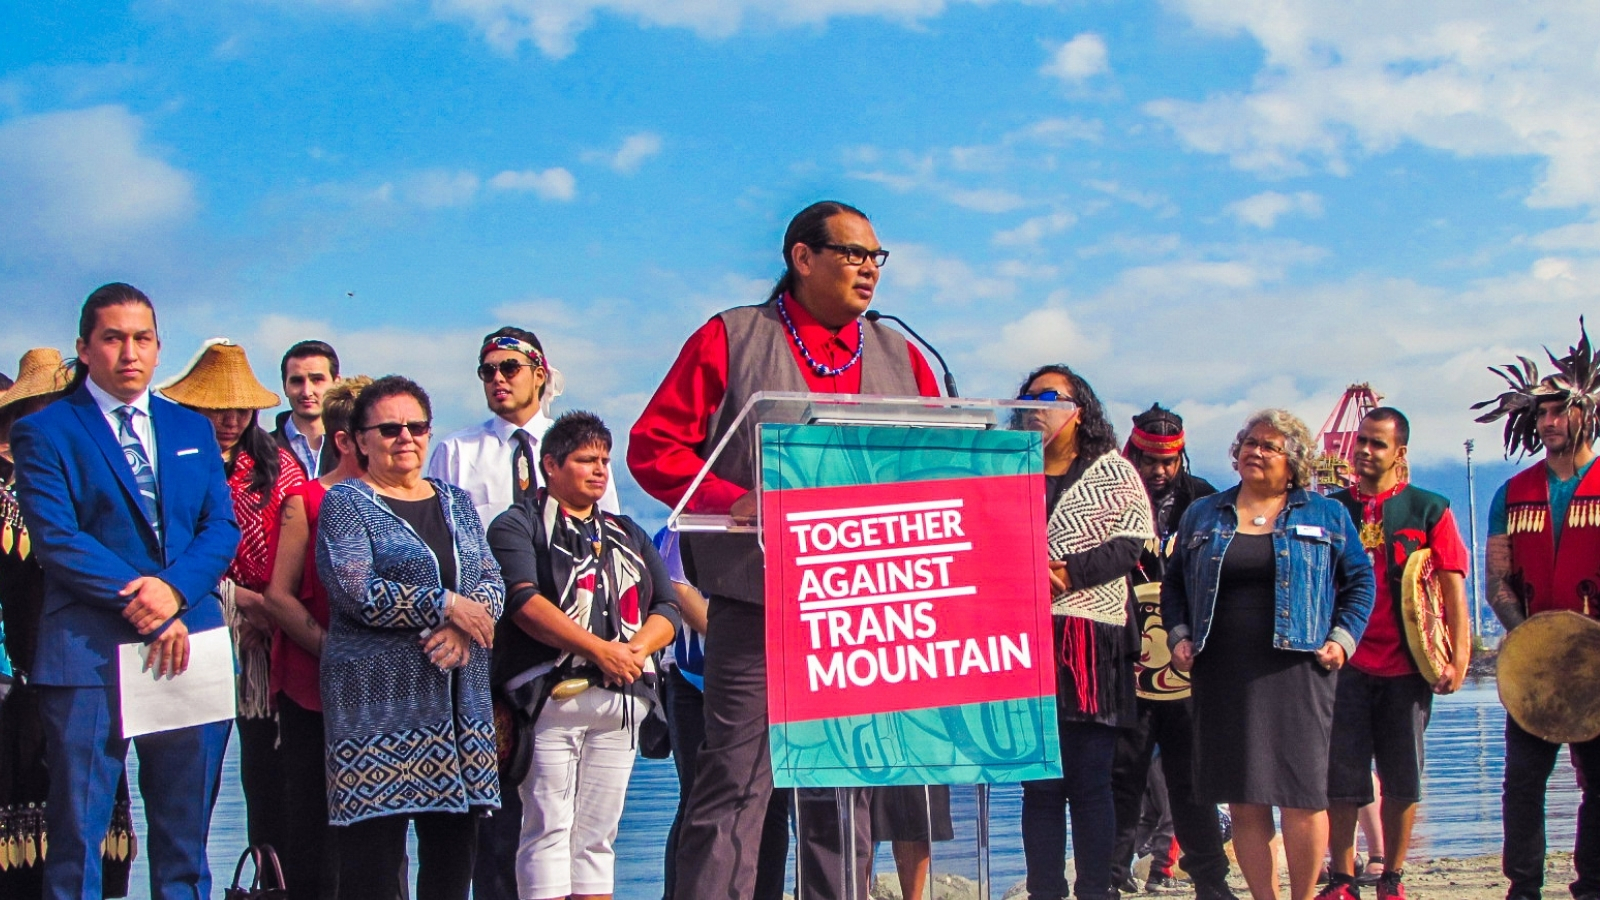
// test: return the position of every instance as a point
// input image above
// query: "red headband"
(1156, 443)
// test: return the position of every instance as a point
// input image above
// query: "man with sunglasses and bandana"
(497, 463)
(809, 336)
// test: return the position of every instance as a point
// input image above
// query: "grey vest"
(759, 359)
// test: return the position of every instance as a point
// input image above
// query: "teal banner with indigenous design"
(908, 606)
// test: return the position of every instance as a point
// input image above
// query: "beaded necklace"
(819, 368)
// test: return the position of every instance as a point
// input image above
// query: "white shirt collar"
(109, 404)
(503, 429)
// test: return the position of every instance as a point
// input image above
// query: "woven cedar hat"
(40, 373)
(219, 378)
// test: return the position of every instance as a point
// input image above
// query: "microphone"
(873, 315)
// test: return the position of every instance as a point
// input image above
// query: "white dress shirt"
(141, 420)
(478, 460)
(300, 446)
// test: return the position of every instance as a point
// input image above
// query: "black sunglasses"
(506, 367)
(391, 430)
(1050, 396)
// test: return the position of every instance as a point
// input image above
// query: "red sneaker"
(1390, 888)
(1340, 887)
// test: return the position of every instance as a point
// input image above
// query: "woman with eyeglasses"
(414, 594)
(1265, 596)
(1098, 519)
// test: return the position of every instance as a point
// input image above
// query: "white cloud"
(84, 186)
(932, 279)
(1155, 331)
(1264, 209)
(1135, 245)
(1060, 132)
(1078, 60)
(554, 25)
(1145, 199)
(1048, 333)
(1032, 231)
(439, 188)
(1576, 236)
(919, 174)
(946, 172)
(635, 149)
(550, 184)
(1349, 78)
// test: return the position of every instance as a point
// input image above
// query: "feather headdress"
(1576, 381)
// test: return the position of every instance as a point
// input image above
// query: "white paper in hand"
(203, 693)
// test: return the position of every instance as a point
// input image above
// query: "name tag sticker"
(1309, 530)
(189, 452)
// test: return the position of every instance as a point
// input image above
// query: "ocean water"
(1459, 816)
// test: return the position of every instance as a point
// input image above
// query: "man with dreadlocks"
(1165, 719)
(1544, 554)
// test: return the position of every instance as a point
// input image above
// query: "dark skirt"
(24, 778)
(1263, 716)
(904, 813)
(24, 785)
(1095, 670)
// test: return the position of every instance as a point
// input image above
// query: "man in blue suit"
(131, 520)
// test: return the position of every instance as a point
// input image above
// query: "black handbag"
(263, 855)
(655, 739)
(514, 715)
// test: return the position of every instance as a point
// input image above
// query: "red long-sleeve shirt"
(664, 446)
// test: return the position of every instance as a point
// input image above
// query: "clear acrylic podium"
(953, 421)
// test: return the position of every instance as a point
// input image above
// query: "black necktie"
(521, 465)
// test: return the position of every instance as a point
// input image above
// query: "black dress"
(24, 779)
(1262, 715)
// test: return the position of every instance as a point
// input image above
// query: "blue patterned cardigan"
(402, 736)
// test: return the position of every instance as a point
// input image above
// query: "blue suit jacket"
(91, 537)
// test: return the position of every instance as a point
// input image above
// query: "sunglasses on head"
(506, 367)
(391, 430)
(1050, 396)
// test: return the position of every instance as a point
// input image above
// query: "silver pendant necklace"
(1258, 521)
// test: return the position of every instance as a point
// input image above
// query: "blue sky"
(1219, 204)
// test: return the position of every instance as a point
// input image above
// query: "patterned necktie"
(521, 465)
(143, 474)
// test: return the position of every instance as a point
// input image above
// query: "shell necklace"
(1261, 519)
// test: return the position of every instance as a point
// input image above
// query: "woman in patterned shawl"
(24, 779)
(414, 594)
(1098, 521)
(219, 385)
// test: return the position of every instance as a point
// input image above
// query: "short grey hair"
(1300, 446)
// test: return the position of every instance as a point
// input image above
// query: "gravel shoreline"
(1472, 878)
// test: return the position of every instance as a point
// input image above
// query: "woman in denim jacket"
(1265, 597)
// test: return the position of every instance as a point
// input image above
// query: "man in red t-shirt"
(1383, 702)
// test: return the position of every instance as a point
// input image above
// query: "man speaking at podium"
(809, 336)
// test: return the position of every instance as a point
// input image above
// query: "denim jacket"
(1325, 595)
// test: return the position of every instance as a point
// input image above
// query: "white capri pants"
(583, 752)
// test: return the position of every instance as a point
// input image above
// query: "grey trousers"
(719, 845)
